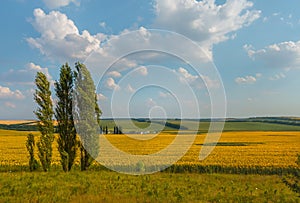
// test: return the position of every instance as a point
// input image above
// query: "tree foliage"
(86, 115)
(67, 142)
(44, 114)
(30, 145)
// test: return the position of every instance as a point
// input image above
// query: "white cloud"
(110, 83)
(282, 55)
(60, 38)
(60, 3)
(210, 83)
(36, 68)
(265, 19)
(102, 24)
(130, 89)
(198, 81)
(165, 95)
(24, 76)
(258, 75)
(150, 103)
(204, 21)
(278, 76)
(7, 93)
(115, 74)
(186, 76)
(10, 105)
(246, 80)
(101, 97)
(142, 70)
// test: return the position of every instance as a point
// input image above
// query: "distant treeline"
(275, 120)
(164, 123)
(20, 127)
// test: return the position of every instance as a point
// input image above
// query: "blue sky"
(175, 58)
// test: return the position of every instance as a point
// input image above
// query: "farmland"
(252, 148)
(244, 149)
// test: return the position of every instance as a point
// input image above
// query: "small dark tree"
(120, 130)
(30, 145)
(44, 114)
(63, 113)
(86, 115)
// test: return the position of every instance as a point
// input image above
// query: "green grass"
(240, 126)
(258, 126)
(106, 186)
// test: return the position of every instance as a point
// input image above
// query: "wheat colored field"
(245, 149)
(12, 122)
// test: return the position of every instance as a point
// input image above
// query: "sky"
(156, 58)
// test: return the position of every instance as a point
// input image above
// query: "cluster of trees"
(76, 104)
(118, 130)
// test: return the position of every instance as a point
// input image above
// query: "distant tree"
(67, 143)
(120, 131)
(30, 145)
(44, 115)
(86, 115)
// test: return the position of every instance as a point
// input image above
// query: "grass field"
(103, 186)
(244, 148)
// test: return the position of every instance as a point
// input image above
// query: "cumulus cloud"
(24, 76)
(102, 24)
(142, 70)
(60, 38)
(282, 55)
(111, 84)
(198, 81)
(7, 93)
(186, 76)
(278, 76)
(10, 105)
(165, 95)
(101, 97)
(210, 83)
(204, 21)
(150, 103)
(246, 80)
(130, 89)
(115, 74)
(258, 75)
(36, 68)
(59, 3)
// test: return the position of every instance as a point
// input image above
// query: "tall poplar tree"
(86, 114)
(63, 113)
(44, 114)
